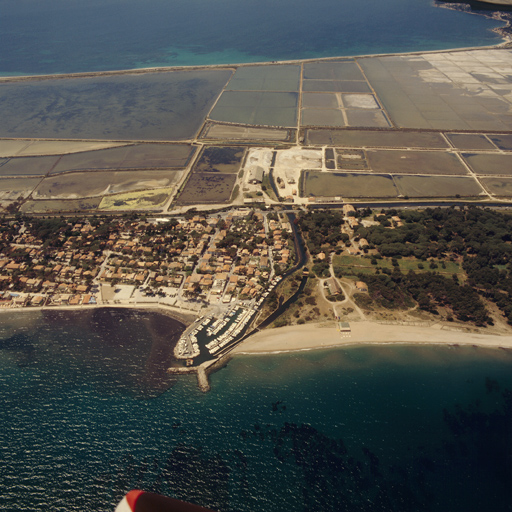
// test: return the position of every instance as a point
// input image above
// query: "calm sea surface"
(85, 418)
(87, 409)
(62, 36)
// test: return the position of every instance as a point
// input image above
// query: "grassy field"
(148, 199)
(268, 187)
(57, 206)
(224, 159)
(207, 188)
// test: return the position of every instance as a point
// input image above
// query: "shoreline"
(317, 336)
(185, 318)
(506, 43)
(307, 337)
(314, 336)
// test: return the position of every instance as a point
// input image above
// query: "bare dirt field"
(438, 186)
(502, 141)
(228, 132)
(28, 166)
(498, 164)
(49, 147)
(377, 139)
(415, 162)
(348, 185)
(501, 187)
(138, 156)
(13, 188)
(57, 206)
(470, 141)
(98, 183)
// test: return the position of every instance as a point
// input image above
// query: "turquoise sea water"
(375, 428)
(61, 36)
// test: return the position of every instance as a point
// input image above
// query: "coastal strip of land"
(318, 336)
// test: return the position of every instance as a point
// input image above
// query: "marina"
(207, 337)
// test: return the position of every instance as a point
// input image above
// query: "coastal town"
(223, 265)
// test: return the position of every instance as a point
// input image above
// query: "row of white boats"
(189, 339)
(233, 331)
(237, 319)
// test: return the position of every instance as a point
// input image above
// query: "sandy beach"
(316, 336)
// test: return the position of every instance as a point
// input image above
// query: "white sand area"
(315, 336)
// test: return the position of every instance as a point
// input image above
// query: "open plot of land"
(351, 159)
(146, 200)
(86, 184)
(350, 185)
(367, 118)
(228, 132)
(207, 188)
(139, 156)
(469, 90)
(320, 100)
(12, 147)
(376, 139)
(438, 186)
(62, 147)
(266, 78)
(57, 206)
(488, 163)
(498, 186)
(28, 166)
(13, 188)
(470, 141)
(223, 159)
(322, 117)
(335, 86)
(345, 70)
(141, 106)
(503, 141)
(257, 108)
(298, 158)
(415, 162)
(360, 101)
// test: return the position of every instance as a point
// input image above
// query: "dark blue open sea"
(87, 414)
(64, 36)
(87, 410)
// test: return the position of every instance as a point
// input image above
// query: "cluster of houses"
(239, 259)
(229, 255)
(35, 273)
